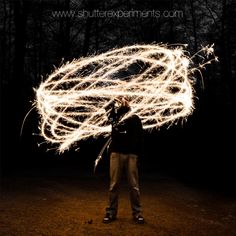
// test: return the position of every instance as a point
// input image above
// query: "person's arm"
(137, 133)
(140, 136)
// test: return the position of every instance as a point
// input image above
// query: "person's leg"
(115, 175)
(132, 175)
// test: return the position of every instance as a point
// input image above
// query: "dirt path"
(75, 206)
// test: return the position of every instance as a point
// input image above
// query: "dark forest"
(37, 36)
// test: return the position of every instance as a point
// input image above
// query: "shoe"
(108, 218)
(138, 219)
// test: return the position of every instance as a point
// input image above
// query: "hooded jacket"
(127, 136)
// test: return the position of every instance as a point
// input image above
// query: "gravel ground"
(75, 206)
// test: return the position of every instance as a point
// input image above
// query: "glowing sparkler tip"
(208, 49)
(185, 62)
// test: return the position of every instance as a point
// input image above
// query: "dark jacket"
(127, 136)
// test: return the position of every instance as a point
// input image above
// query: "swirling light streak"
(157, 79)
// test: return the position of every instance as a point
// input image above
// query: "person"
(125, 148)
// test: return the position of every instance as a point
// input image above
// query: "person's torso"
(126, 136)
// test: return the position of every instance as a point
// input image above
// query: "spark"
(157, 79)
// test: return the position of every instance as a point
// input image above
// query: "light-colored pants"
(119, 161)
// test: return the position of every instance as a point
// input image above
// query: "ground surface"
(53, 205)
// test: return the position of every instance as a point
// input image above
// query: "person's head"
(123, 105)
(117, 108)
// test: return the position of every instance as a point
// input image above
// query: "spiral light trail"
(157, 79)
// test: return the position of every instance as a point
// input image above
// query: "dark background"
(34, 40)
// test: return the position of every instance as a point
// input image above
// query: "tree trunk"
(171, 37)
(97, 35)
(20, 42)
(194, 26)
(64, 34)
(87, 35)
(226, 70)
(3, 44)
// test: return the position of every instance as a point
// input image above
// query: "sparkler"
(157, 79)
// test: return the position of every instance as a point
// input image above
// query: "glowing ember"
(157, 80)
